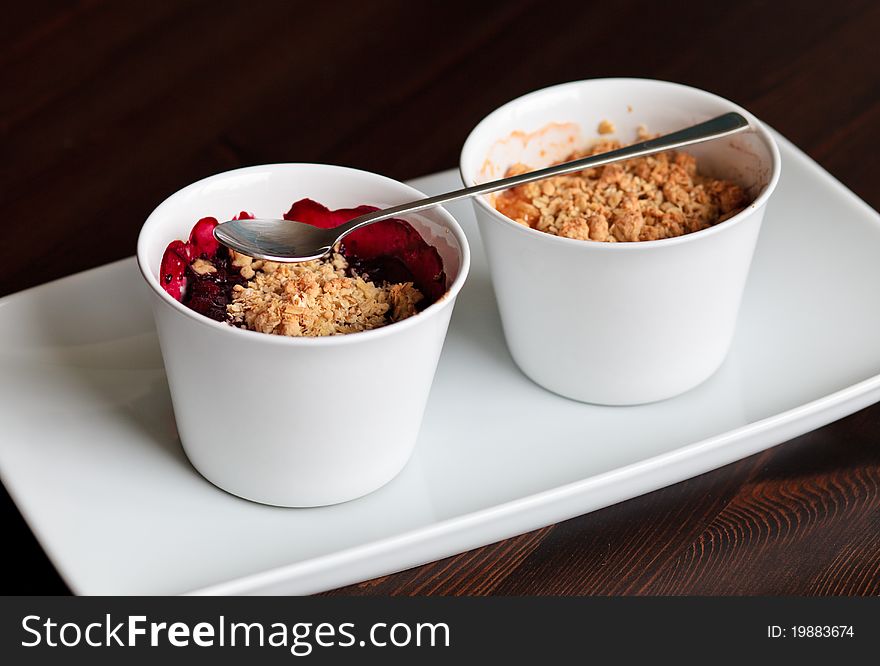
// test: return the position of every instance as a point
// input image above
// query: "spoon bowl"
(276, 240)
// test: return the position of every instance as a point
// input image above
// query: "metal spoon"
(287, 241)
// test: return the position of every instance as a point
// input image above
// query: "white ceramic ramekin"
(617, 323)
(297, 421)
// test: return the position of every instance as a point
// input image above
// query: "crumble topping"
(648, 198)
(203, 267)
(606, 127)
(315, 298)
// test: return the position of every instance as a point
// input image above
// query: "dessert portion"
(378, 275)
(647, 198)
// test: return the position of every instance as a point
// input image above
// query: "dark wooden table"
(109, 107)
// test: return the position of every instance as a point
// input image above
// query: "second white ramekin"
(617, 323)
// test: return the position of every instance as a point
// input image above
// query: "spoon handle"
(721, 126)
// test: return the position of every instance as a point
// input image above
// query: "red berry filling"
(210, 293)
(175, 261)
(389, 251)
(202, 243)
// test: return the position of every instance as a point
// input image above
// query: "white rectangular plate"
(90, 454)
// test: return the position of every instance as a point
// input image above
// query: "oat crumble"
(314, 298)
(648, 198)
(606, 127)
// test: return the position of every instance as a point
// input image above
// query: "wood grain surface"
(108, 107)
